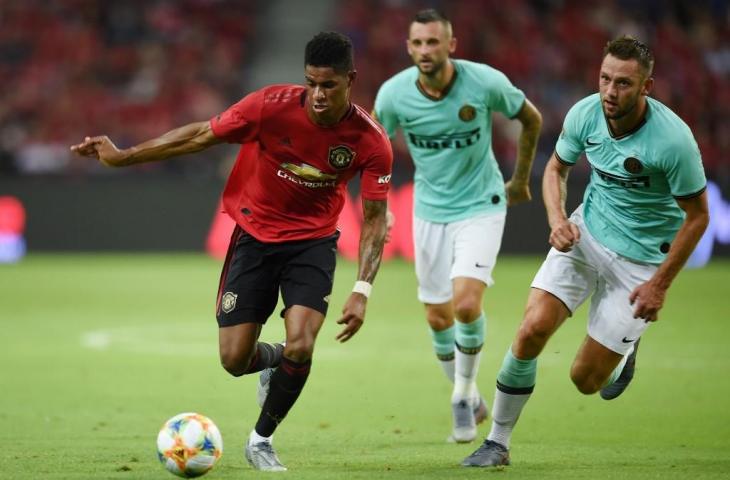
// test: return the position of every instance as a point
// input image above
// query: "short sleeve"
(376, 173)
(570, 144)
(384, 111)
(683, 164)
(241, 122)
(503, 96)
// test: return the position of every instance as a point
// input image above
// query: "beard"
(434, 70)
(621, 113)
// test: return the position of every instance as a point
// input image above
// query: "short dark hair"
(330, 49)
(629, 48)
(430, 15)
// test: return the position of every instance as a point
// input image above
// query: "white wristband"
(363, 287)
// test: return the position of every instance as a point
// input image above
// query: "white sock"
(619, 368)
(448, 367)
(505, 412)
(466, 367)
(256, 438)
(473, 390)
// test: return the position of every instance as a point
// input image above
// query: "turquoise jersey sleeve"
(384, 109)
(570, 142)
(502, 96)
(683, 164)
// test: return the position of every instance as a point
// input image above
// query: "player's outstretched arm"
(190, 138)
(648, 298)
(563, 233)
(518, 187)
(372, 238)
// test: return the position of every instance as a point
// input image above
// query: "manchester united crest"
(228, 302)
(467, 113)
(341, 156)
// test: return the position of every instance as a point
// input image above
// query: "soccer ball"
(189, 444)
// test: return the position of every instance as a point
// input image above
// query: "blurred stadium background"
(134, 69)
(98, 349)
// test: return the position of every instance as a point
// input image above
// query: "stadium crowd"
(135, 68)
(129, 68)
(548, 49)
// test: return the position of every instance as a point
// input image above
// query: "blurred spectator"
(137, 68)
(549, 47)
(134, 68)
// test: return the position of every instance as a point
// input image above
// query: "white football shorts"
(590, 268)
(444, 251)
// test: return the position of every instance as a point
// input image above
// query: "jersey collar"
(633, 130)
(445, 91)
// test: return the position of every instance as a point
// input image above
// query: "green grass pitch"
(97, 351)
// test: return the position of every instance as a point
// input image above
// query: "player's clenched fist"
(564, 235)
(101, 148)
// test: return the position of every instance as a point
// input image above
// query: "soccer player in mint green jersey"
(643, 212)
(444, 107)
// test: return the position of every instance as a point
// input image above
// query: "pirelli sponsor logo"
(626, 182)
(439, 142)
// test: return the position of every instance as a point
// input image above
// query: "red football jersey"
(290, 177)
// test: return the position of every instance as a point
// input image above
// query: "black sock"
(267, 355)
(286, 385)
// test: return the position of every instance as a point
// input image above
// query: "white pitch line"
(96, 340)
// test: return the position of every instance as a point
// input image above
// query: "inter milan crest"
(228, 302)
(341, 156)
(467, 113)
(633, 165)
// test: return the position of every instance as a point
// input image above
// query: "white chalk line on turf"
(186, 340)
(182, 340)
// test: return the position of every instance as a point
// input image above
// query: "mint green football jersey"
(630, 202)
(450, 139)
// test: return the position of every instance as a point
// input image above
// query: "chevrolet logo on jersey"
(437, 142)
(308, 172)
(626, 182)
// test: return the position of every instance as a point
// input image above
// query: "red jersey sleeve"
(375, 177)
(241, 122)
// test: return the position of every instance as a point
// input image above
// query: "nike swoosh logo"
(591, 143)
(626, 340)
(478, 265)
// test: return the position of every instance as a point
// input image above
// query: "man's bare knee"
(543, 315)
(236, 364)
(437, 319)
(586, 387)
(586, 383)
(300, 350)
(534, 332)
(467, 310)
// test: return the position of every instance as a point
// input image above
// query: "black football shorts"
(254, 272)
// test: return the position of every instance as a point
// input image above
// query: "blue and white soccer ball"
(189, 445)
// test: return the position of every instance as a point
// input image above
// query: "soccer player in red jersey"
(299, 147)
